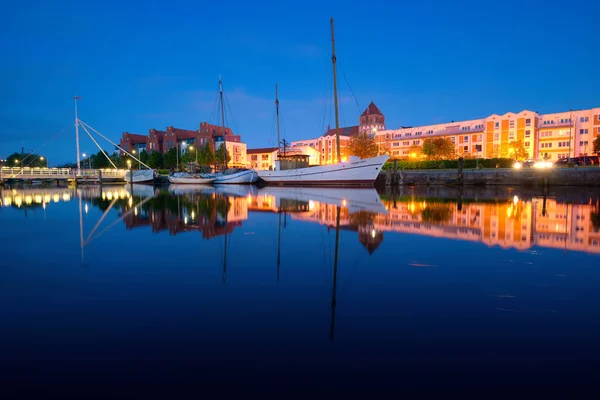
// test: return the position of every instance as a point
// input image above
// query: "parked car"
(579, 161)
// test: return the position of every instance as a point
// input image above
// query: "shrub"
(470, 163)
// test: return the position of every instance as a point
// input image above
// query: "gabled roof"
(371, 110)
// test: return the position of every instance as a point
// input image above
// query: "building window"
(528, 122)
(583, 143)
(265, 157)
(511, 136)
(465, 148)
(496, 136)
(497, 124)
(466, 138)
(527, 133)
(512, 124)
(527, 144)
(583, 131)
(584, 119)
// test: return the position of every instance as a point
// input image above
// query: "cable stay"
(97, 145)
(113, 143)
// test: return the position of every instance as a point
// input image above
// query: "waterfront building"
(551, 136)
(163, 141)
(262, 158)
(371, 121)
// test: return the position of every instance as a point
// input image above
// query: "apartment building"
(552, 136)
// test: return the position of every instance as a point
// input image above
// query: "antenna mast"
(277, 115)
(75, 98)
(335, 98)
(223, 120)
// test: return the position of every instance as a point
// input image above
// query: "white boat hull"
(140, 176)
(354, 199)
(191, 180)
(240, 177)
(352, 173)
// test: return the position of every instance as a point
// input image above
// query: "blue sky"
(155, 64)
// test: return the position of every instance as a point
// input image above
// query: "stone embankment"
(577, 176)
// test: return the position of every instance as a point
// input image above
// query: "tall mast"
(223, 119)
(75, 98)
(277, 116)
(335, 99)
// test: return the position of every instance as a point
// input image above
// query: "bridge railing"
(16, 171)
(106, 173)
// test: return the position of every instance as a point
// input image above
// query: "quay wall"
(578, 176)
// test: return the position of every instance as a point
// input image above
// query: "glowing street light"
(195, 151)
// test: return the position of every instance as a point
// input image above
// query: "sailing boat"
(228, 175)
(294, 170)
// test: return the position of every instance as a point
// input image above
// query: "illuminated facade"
(551, 136)
(371, 121)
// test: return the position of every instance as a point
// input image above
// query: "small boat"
(191, 178)
(236, 176)
(140, 176)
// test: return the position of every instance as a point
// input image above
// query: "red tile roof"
(261, 150)
(372, 110)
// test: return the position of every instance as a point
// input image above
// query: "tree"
(25, 160)
(221, 153)
(155, 160)
(597, 145)
(170, 158)
(206, 156)
(439, 149)
(99, 161)
(362, 146)
(517, 150)
(144, 156)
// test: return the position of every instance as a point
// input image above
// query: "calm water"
(194, 288)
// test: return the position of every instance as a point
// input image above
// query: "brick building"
(163, 141)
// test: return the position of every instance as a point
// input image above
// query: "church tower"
(371, 120)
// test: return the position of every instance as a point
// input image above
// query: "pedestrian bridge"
(28, 173)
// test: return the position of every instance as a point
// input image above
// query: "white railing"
(16, 171)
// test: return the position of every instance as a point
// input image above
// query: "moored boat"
(236, 176)
(191, 178)
(354, 172)
(140, 176)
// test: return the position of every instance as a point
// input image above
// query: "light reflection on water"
(508, 220)
(417, 286)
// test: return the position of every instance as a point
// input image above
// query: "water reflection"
(510, 219)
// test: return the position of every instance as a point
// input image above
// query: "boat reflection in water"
(508, 220)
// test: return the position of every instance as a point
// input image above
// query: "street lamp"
(139, 159)
(89, 165)
(42, 159)
(195, 151)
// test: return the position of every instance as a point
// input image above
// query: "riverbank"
(577, 176)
